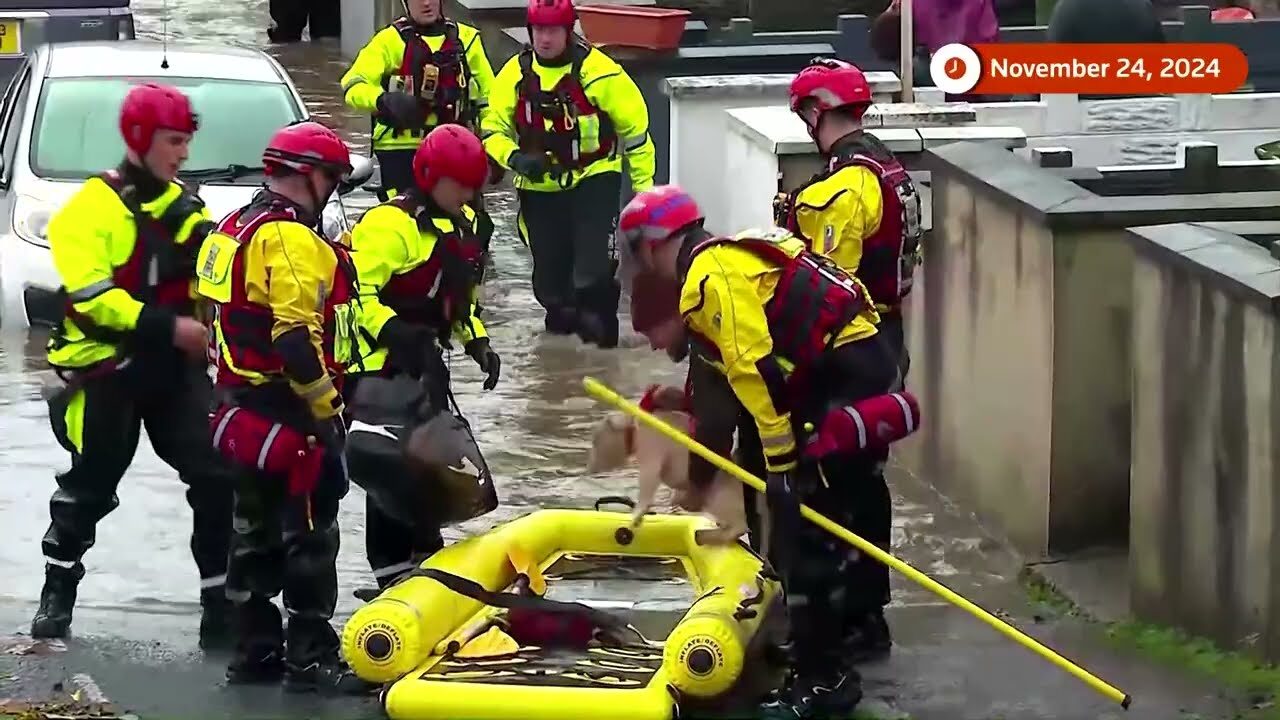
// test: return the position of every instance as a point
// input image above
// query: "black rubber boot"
(869, 638)
(57, 600)
(561, 321)
(278, 35)
(815, 694)
(259, 653)
(312, 662)
(328, 677)
(217, 615)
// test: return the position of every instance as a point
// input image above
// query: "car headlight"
(31, 218)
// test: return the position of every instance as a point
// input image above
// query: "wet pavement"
(136, 617)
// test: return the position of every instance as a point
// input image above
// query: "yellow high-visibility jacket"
(723, 298)
(607, 87)
(290, 270)
(92, 239)
(376, 69)
(389, 246)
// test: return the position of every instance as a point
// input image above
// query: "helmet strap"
(317, 203)
(145, 182)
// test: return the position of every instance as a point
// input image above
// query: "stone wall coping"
(1061, 203)
(897, 114)
(718, 86)
(1239, 266)
(775, 127)
(696, 52)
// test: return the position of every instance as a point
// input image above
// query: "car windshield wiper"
(230, 172)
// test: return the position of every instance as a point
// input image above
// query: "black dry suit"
(420, 467)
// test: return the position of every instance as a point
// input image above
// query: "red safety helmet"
(658, 213)
(151, 107)
(560, 13)
(450, 151)
(306, 146)
(831, 83)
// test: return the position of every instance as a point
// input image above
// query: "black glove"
(531, 165)
(488, 360)
(412, 350)
(400, 110)
(333, 434)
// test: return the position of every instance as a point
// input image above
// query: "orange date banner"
(1089, 68)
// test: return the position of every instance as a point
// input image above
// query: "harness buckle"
(570, 113)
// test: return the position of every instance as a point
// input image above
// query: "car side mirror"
(361, 171)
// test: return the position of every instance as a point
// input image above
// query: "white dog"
(618, 439)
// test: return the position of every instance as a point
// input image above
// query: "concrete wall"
(700, 123)
(1136, 131)
(1027, 398)
(763, 142)
(1019, 330)
(1206, 454)
(709, 113)
(361, 19)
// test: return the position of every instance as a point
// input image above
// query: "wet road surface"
(137, 613)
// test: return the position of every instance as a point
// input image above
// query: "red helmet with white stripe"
(830, 84)
(658, 213)
(305, 147)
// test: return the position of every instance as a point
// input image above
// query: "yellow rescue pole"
(602, 392)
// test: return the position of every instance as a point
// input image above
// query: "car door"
(12, 110)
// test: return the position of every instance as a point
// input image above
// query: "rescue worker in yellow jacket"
(419, 72)
(795, 338)
(863, 212)
(420, 259)
(562, 116)
(283, 328)
(132, 354)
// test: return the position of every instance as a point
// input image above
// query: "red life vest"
(158, 269)
(445, 90)
(438, 292)
(891, 254)
(245, 325)
(564, 106)
(813, 301)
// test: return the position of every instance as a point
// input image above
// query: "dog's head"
(610, 443)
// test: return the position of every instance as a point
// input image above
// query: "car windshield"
(77, 129)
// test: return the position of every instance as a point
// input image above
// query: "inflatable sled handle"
(615, 500)
(600, 391)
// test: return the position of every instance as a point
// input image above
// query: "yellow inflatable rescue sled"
(565, 614)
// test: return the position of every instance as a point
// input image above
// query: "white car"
(59, 125)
